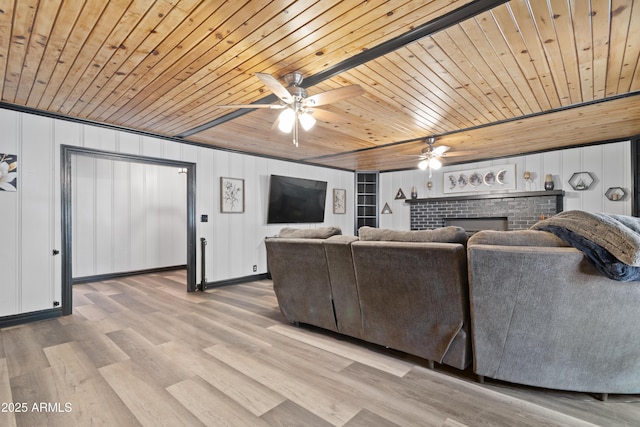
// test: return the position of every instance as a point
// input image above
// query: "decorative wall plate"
(453, 182)
(489, 178)
(475, 179)
(462, 180)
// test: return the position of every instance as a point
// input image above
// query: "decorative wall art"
(400, 195)
(582, 181)
(386, 209)
(231, 195)
(480, 180)
(339, 201)
(616, 194)
(8, 172)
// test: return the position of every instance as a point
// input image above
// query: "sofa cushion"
(516, 238)
(449, 234)
(310, 233)
(342, 239)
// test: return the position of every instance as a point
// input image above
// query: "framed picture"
(339, 201)
(231, 195)
(481, 179)
(8, 172)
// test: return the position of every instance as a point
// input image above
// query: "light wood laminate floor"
(141, 351)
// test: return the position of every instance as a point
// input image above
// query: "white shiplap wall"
(126, 216)
(30, 277)
(610, 163)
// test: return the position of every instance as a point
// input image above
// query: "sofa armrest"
(301, 280)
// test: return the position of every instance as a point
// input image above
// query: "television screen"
(296, 200)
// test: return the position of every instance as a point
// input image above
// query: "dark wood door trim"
(66, 152)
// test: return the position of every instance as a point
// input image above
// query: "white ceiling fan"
(430, 157)
(299, 108)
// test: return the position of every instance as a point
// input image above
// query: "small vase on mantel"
(548, 182)
(414, 192)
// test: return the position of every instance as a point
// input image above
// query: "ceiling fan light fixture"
(435, 163)
(286, 120)
(423, 165)
(306, 120)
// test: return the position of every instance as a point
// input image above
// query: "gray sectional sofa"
(403, 290)
(534, 310)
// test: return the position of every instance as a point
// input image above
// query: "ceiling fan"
(430, 157)
(299, 108)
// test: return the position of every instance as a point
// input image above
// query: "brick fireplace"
(519, 210)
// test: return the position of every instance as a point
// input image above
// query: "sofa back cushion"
(516, 238)
(310, 233)
(449, 234)
(414, 297)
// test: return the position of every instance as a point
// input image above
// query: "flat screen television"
(296, 200)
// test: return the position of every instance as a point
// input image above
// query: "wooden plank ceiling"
(490, 77)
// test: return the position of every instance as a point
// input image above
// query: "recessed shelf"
(616, 194)
(581, 181)
(366, 200)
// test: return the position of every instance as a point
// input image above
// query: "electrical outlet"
(255, 268)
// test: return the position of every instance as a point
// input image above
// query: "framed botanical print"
(339, 201)
(8, 172)
(231, 195)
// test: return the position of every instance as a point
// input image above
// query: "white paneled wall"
(29, 219)
(30, 276)
(236, 240)
(126, 216)
(610, 163)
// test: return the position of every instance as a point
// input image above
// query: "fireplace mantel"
(505, 195)
(522, 209)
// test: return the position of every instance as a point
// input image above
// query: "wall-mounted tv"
(296, 200)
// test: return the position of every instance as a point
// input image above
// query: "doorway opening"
(66, 165)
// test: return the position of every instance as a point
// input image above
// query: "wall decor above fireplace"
(490, 178)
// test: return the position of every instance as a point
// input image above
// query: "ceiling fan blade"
(271, 106)
(438, 151)
(275, 86)
(458, 153)
(334, 95)
(328, 116)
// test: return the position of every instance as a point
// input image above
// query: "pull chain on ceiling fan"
(298, 108)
